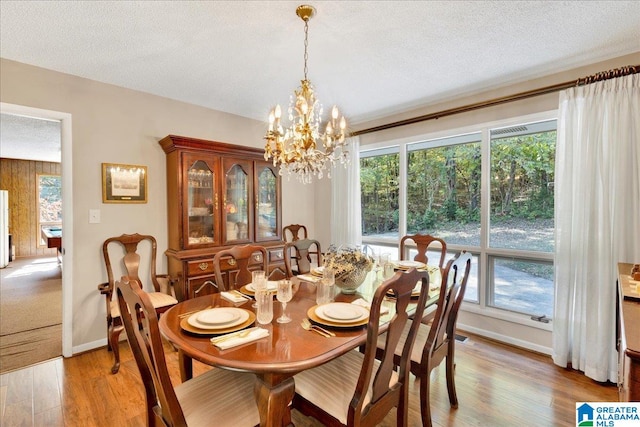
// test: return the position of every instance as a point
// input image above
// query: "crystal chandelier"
(301, 148)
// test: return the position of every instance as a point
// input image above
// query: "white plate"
(341, 312)
(272, 285)
(240, 316)
(317, 271)
(217, 316)
(410, 264)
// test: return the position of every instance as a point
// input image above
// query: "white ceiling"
(372, 58)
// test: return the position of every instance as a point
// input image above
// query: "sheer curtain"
(597, 204)
(346, 218)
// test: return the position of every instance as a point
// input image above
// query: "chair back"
(242, 260)
(423, 241)
(443, 328)
(383, 396)
(291, 232)
(141, 323)
(301, 253)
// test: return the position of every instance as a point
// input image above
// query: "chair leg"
(425, 409)
(114, 338)
(451, 385)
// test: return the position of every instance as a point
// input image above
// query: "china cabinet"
(218, 195)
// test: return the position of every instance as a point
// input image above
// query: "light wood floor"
(497, 385)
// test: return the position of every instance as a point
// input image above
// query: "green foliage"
(443, 184)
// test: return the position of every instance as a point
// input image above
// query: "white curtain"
(597, 204)
(346, 223)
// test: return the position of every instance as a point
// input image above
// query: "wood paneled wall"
(20, 178)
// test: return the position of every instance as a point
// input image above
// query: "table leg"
(186, 366)
(273, 394)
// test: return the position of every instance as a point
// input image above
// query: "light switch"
(94, 216)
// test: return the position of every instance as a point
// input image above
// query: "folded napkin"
(233, 296)
(238, 338)
(309, 278)
(366, 304)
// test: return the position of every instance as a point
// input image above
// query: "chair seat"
(331, 386)
(201, 407)
(158, 299)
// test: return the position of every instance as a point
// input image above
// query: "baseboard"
(506, 339)
(89, 346)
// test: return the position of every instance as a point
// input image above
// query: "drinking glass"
(324, 293)
(259, 282)
(284, 295)
(264, 311)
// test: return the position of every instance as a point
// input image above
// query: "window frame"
(484, 253)
(42, 224)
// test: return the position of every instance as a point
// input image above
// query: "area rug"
(30, 312)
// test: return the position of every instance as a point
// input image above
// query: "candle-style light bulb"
(278, 112)
(343, 123)
(335, 112)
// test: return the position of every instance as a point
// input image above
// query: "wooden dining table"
(275, 359)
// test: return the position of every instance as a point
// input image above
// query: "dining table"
(288, 348)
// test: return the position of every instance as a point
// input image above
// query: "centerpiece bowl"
(350, 266)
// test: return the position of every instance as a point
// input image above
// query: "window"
(380, 192)
(49, 203)
(488, 191)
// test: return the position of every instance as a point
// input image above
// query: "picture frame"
(124, 183)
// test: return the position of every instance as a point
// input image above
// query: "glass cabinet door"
(202, 201)
(237, 225)
(267, 202)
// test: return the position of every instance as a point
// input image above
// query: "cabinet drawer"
(200, 267)
(276, 255)
(200, 286)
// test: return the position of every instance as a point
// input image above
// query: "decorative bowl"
(350, 282)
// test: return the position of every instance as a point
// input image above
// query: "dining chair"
(237, 263)
(436, 342)
(423, 242)
(301, 254)
(218, 397)
(355, 388)
(134, 247)
(291, 232)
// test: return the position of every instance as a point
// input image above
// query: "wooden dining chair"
(436, 342)
(160, 289)
(291, 232)
(300, 255)
(423, 242)
(355, 388)
(218, 397)
(233, 266)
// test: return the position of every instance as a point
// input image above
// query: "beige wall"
(117, 125)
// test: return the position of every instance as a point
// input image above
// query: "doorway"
(66, 252)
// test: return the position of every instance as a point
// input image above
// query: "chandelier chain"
(306, 46)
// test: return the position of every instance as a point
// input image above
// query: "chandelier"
(301, 148)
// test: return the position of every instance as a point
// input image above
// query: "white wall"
(117, 125)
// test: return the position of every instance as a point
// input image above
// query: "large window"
(489, 192)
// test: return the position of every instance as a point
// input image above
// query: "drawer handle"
(279, 254)
(203, 266)
(232, 261)
(258, 258)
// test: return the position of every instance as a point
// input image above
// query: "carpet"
(30, 312)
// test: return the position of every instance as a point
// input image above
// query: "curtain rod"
(603, 75)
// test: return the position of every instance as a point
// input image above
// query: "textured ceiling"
(372, 58)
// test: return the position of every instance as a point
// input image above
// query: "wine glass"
(264, 301)
(284, 295)
(325, 287)
(259, 282)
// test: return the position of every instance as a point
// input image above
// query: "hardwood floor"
(497, 385)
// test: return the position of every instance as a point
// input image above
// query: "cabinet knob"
(258, 258)
(232, 261)
(203, 266)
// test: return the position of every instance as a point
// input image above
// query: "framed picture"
(124, 183)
